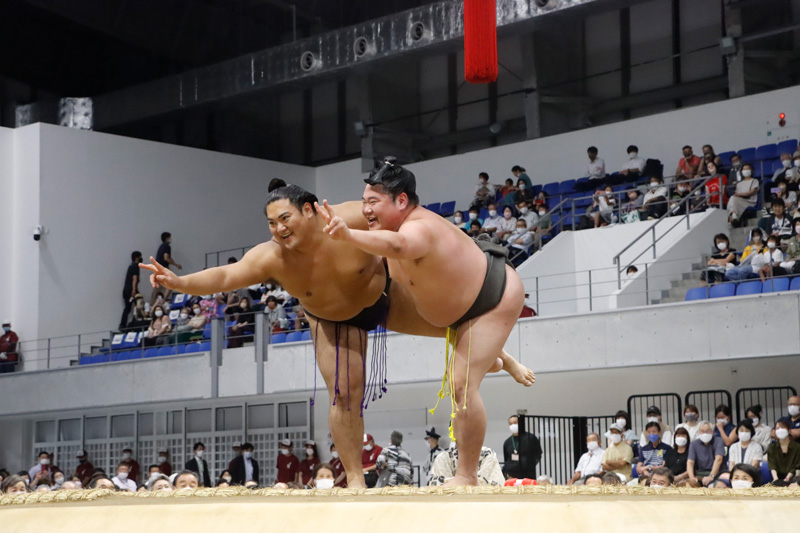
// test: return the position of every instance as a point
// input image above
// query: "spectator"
(322, 477)
(164, 253)
(691, 416)
(522, 194)
(474, 229)
(790, 263)
(244, 468)
(85, 468)
(14, 485)
(445, 465)
(654, 415)
(662, 477)
(715, 187)
(689, 165)
(520, 243)
(745, 476)
(630, 210)
(275, 290)
(654, 203)
(163, 462)
(752, 258)
(492, 224)
(520, 174)
(724, 427)
(778, 223)
(42, 468)
(232, 260)
(141, 317)
(706, 456)
(793, 420)
(788, 196)
(736, 174)
(623, 419)
(301, 322)
(591, 461)
(631, 272)
(432, 440)
(130, 288)
(187, 480)
(288, 464)
(245, 323)
(182, 323)
(394, 464)
(593, 479)
(655, 453)
(746, 449)
(133, 466)
(484, 193)
(458, 220)
(507, 192)
(545, 223)
(225, 478)
(618, 456)
(541, 199)
(772, 257)
(710, 155)
(597, 167)
(237, 452)
(634, 166)
(723, 256)
(369, 458)
(682, 189)
(603, 205)
(8, 348)
(783, 455)
(58, 480)
(276, 315)
(785, 172)
(100, 481)
(525, 213)
(610, 478)
(688, 483)
(340, 476)
(521, 452)
(160, 328)
(761, 434)
(527, 310)
(159, 482)
(682, 440)
(745, 195)
(198, 465)
(121, 480)
(306, 470)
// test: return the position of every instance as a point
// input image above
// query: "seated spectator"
(159, 482)
(544, 223)
(710, 155)
(715, 188)
(140, 318)
(394, 464)
(662, 477)
(735, 173)
(593, 479)
(157, 298)
(458, 220)
(783, 191)
(121, 480)
(101, 482)
(630, 211)
(783, 455)
(631, 272)
(530, 217)
(618, 457)
(603, 204)
(721, 483)
(71, 485)
(793, 420)
(507, 225)
(791, 259)
(187, 480)
(306, 471)
(58, 479)
(474, 229)
(746, 449)
(280, 294)
(706, 456)
(724, 427)
(301, 322)
(474, 216)
(761, 434)
(682, 440)
(507, 192)
(623, 419)
(520, 243)
(722, 257)
(773, 257)
(778, 223)
(322, 477)
(591, 461)
(14, 485)
(655, 453)
(745, 195)
(182, 324)
(160, 328)
(522, 194)
(752, 259)
(654, 415)
(610, 478)
(785, 172)
(654, 203)
(492, 224)
(245, 326)
(276, 315)
(597, 167)
(745, 476)
(691, 416)
(340, 476)
(8, 349)
(689, 164)
(682, 189)
(484, 192)
(541, 199)
(688, 483)
(544, 480)
(634, 166)
(520, 174)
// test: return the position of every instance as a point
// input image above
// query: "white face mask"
(722, 246)
(196, 310)
(309, 451)
(797, 163)
(162, 458)
(633, 155)
(522, 186)
(755, 421)
(771, 245)
(159, 313)
(184, 315)
(284, 451)
(657, 487)
(744, 436)
(368, 447)
(681, 441)
(616, 438)
(324, 484)
(248, 455)
(747, 173)
(542, 212)
(706, 437)
(507, 215)
(681, 188)
(123, 476)
(794, 410)
(227, 479)
(493, 213)
(59, 480)
(199, 453)
(592, 445)
(781, 433)
(652, 419)
(523, 210)
(621, 422)
(126, 456)
(654, 185)
(335, 455)
(722, 421)
(787, 163)
(473, 216)
(457, 220)
(44, 461)
(741, 484)
(513, 428)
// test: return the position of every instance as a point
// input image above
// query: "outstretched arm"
(412, 241)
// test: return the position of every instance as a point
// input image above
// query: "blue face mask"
(6, 329)
(653, 438)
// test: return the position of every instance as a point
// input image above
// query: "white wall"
(727, 125)
(6, 218)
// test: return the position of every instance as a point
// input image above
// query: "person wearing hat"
(306, 470)
(432, 438)
(8, 349)
(237, 450)
(288, 465)
(244, 468)
(654, 415)
(369, 459)
(163, 462)
(85, 468)
(618, 457)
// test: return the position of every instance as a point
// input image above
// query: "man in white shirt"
(634, 166)
(121, 480)
(492, 222)
(42, 467)
(597, 167)
(591, 461)
(527, 214)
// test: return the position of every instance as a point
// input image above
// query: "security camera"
(37, 233)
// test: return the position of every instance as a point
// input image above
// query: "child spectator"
(778, 223)
(715, 188)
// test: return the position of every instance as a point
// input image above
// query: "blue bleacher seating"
(767, 151)
(698, 293)
(181, 349)
(776, 285)
(795, 285)
(448, 208)
(722, 290)
(278, 338)
(748, 287)
(566, 187)
(484, 214)
(766, 473)
(307, 335)
(551, 189)
(748, 155)
(726, 158)
(434, 207)
(787, 147)
(151, 352)
(205, 346)
(294, 336)
(192, 348)
(776, 165)
(537, 189)
(167, 350)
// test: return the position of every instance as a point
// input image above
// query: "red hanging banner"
(480, 41)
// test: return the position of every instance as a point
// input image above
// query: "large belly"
(340, 297)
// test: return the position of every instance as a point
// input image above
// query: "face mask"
(78, 484)
(309, 452)
(368, 447)
(722, 421)
(162, 458)
(542, 212)
(786, 163)
(184, 315)
(521, 229)
(457, 220)
(159, 313)
(123, 476)
(782, 433)
(523, 210)
(794, 410)
(797, 162)
(126, 456)
(681, 189)
(616, 438)
(722, 246)
(737, 165)
(522, 186)
(493, 213)
(654, 185)
(755, 421)
(335, 455)
(248, 455)
(592, 445)
(652, 419)
(227, 479)
(741, 484)
(324, 484)
(747, 173)
(59, 480)
(513, 428)
(631, 275)
(196, 310)
(756, 239)
(706, 437)
(621, 422)
(199, 453)
(744, 436)
(771, 245)
(657, 487)
(44, 461)
(653, 438)
(691, 417)
(6, 329)
(633, 155)
(473, 216)
(507, 215)
(681, 441)
(159, 298)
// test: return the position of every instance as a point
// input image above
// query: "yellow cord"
(440, 395)
(448, 380)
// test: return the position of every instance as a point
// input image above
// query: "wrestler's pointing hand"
(337, 227)
(160, 275)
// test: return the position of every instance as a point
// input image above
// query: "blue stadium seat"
(776, 285)
(307, 335)
(278, 338)
(85, 360)
(551, 189)
(205, 347)
(776, 165)
(181, 349)
(748, 287)
(787, 147)
(726, 158)
(767, 151)
(568, 221)
(166, 350)
(795, 285)
(294, 336)
(151, 352)
(581, 182)
(192, 348)
(136, 353)
(766, 473)
(748, 155)
(698, 293)
(537, 189)
(179, 300)
(566, 187)
(484, 214)
(723, 290)
(207, 331)
(434, 207)
(448, 208)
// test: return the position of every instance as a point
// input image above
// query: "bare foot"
(462, 481)
(356, 484)
(521, 373)
(497, 366)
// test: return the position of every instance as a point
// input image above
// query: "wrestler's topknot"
(394, 180)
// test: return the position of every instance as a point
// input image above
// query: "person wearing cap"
(369, 459)
(237, 451)
(8, 349)
(163, 462)
(85, 468)
(306, 470)
(654, 415)
(432, 438)
(198, 465)
(618, 457)
(287, 465)
(244, 468)
(133, 466)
